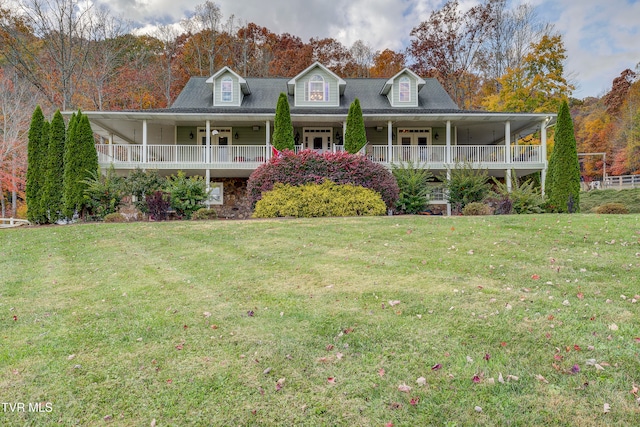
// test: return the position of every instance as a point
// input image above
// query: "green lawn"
(533, 319)
(629, 197)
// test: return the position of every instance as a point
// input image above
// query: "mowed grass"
(323, 322)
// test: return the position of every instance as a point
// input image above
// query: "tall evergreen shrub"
(355, 136)
(36, 166)
(563, 179)
(80, 164)
(54, 182)
(282, 126)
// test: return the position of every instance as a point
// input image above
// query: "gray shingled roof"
(197, 97)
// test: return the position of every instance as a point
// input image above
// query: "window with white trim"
(404, 89)
(226, 89)
(317, 90)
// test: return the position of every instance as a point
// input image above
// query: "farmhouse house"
(220, 128)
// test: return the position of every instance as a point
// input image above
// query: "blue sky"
(602, 37)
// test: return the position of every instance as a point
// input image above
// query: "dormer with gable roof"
(316, 86)
(402, 89)
(229, 88)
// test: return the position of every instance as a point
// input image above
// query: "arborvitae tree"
(282, 127)
(563, 180)
(355, 136)
(36, 164)
(80, 164)
(53, 185)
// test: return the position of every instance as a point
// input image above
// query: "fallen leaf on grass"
(331, 380)
(476, 379)
(206, 314)
(404, 388)
(606, 408)
(422, 381)
(542, 379)
(575, 369)
(535, 277)
(500, 378)
(280, 384)
(478, 409)
(394, 302)
(436, 367)
(414, 401)
(613, 327)
(381, 372)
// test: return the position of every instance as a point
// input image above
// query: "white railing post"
(144, 141)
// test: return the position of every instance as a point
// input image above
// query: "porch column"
(507, 153)
(207, 155)
(543, 153)
(267, 130)
(389, 141)
(111, 146)
(447, 154)
(144, 141)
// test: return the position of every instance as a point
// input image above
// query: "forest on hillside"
(63, 56)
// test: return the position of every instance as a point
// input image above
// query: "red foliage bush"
(309, 166)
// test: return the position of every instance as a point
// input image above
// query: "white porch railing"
(246, 156)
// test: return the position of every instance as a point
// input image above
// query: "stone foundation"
(236, 201)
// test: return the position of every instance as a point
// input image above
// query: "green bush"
(466, 185)
(115, 217)
(316, 200)
(524, 198)
(476, 208)
(187, 194)
(141, 184)
(611, 208)
(104, 192)
(204, 213)
(413, 183)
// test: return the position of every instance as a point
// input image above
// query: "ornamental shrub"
(187, 193)
(611, 208)
(525, 197)
(141, 184)
(311, 167)
(316, 200)
(476, 208)
(466, 185)
(413, 183)
(158, 204)
(104, 192)
(355, 136)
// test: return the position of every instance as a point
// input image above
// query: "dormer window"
(317, 89)
(226, 89)
(404, 89)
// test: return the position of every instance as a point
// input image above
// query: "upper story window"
(404, 89)
(318, 90)
(226, 89)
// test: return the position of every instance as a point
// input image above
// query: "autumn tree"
(290, 56)
(448, 44)
(512, 34)
(36, 167)
(17, 98)
(55, 62)
(106, 55)
(282, 126)
(562, 186)
(387, 63)
(355, 135)
(539, 85)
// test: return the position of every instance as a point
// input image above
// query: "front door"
(415, 142)
(220, 139)
(317, 139)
